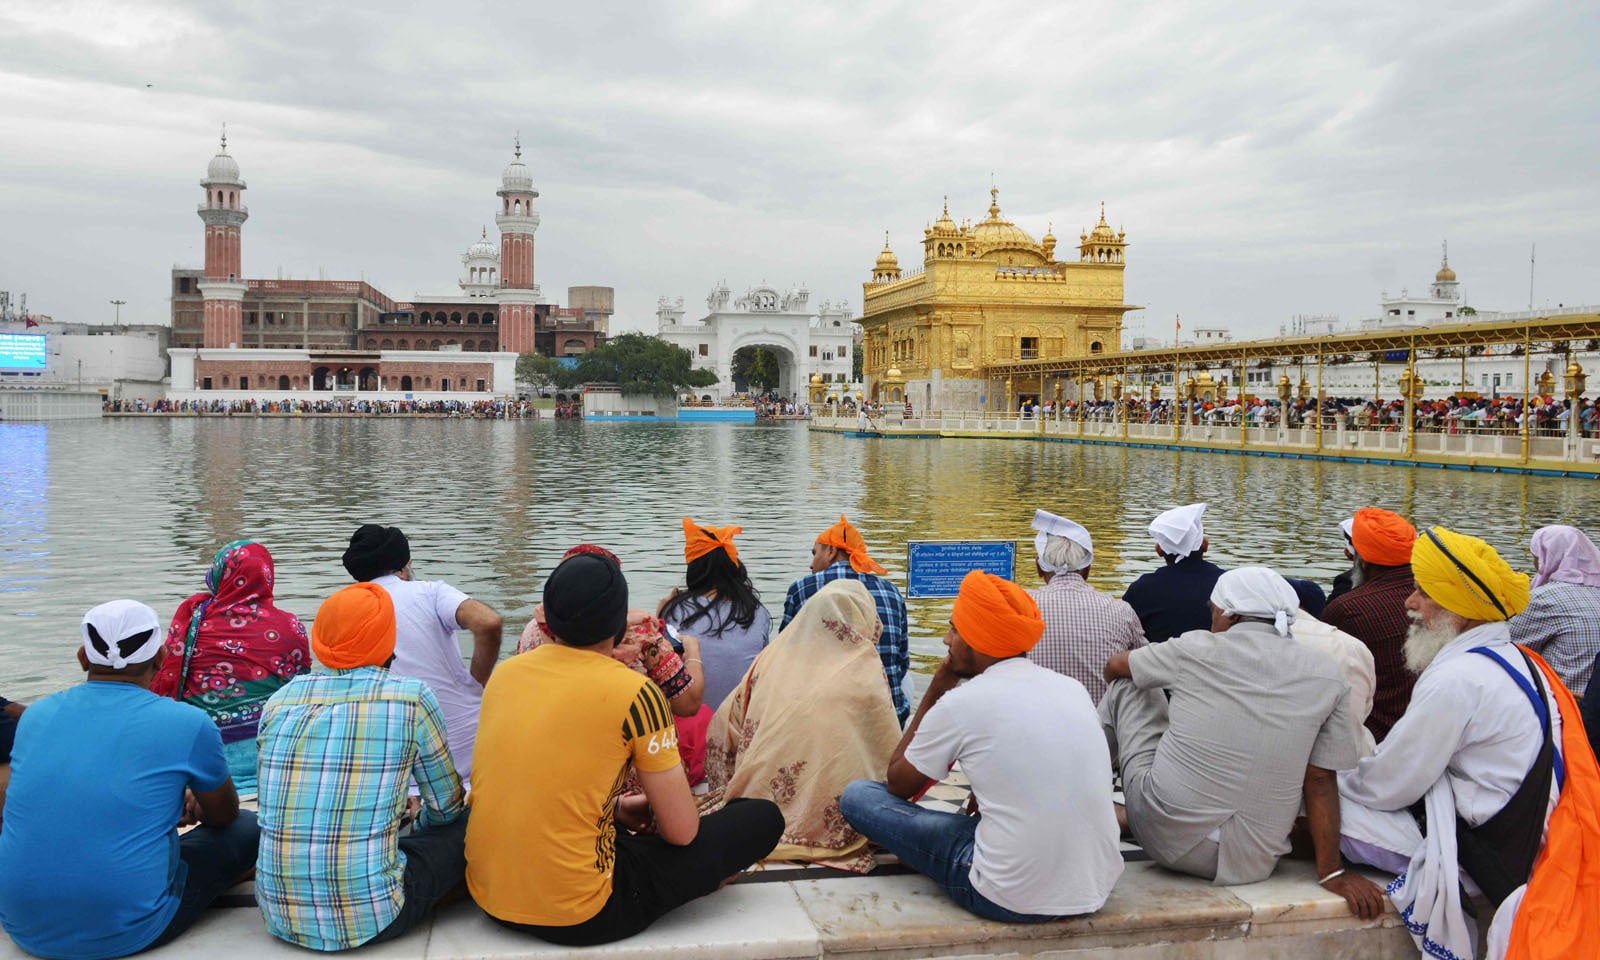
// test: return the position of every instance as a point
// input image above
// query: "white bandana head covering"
(1178, 532)
(1050, 525)
(1347, 526)
(1257, 592)
(105, 627)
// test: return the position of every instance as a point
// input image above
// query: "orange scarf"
(843, 536)
(699, 541)
(1560, 912)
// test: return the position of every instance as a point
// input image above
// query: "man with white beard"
(1489, 746)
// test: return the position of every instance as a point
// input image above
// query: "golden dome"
(995, 232)
(1445, 274)
(816, 379)
(944, 225)
(1102, 230)
(887, 260)
(893, 373)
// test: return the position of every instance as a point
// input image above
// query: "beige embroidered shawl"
(812, 714)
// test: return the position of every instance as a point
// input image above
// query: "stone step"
(1152, 915)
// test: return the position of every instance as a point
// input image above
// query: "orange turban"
(847, 538)
(1382, 537)
(354, 628)
(995, 616)
(699, 541)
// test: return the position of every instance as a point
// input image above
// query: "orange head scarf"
(1382, 537)
(354, 628)
(995, 616)
(699, 541)
(845, 537)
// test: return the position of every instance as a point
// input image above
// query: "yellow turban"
(845, 537)
(1465, 576)
(354, 628)
(995, 616)
(699, 541)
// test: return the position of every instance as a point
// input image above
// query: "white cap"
(1050, 525)
(1178, 532)
(1347, 526)
(1257, 592)
(106, 627)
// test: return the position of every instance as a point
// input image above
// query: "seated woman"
(811, 715)
(230, 648)
(647, 649)
(720, 606)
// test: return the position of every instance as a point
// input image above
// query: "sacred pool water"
(94, 510)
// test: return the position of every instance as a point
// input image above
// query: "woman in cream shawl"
(811, 714)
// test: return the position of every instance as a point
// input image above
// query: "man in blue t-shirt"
(91, 863)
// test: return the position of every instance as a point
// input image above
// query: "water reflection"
(95, 510)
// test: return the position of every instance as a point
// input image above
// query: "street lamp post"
(117, 323)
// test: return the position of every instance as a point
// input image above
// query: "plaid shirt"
(1562, 624)
(1083, 628)
(336, 753)
(894, 643)
(1375, 614)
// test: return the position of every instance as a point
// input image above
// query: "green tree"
(855, 364)
(539, 372)
(756, 367)
(641, 364)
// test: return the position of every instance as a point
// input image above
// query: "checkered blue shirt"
(894, 644)
(1562, 624)
(336, 754)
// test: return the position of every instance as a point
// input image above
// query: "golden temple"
(987, 294)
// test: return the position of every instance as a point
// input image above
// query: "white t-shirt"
(1030, 741)
(425, 647)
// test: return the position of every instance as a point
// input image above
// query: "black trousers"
(652, 877)
(436, 863)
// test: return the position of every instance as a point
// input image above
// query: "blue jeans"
(937, 845)
(215, 858)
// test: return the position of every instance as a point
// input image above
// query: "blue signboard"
(22, 351)
(934, 568)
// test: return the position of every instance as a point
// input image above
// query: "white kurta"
(1355, 662)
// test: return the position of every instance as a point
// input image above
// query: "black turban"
(376, 550)
(586, 601)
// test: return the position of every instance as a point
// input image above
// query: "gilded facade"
(987, 293)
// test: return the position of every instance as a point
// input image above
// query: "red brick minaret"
(518, 292)
(223, 285)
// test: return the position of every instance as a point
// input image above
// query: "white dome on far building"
(516, 178)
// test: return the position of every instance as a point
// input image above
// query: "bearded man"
(1461, 791)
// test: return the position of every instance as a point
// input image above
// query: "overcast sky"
(1264, 161)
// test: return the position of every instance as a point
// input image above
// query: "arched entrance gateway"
(803, 339)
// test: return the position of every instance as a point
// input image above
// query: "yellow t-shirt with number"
(556, 733)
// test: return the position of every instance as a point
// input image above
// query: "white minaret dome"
(483, 248)
(516, 178)
(223, 168)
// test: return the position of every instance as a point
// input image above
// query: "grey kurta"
(1225, 761)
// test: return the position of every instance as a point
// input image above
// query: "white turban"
(1257, 592)
(1049, 525)
(1347, 527)
(1178, 531)
(106, 628)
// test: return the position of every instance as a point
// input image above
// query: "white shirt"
(425, 647)
(1468, 721)
(1355, 662)
(1030, 742)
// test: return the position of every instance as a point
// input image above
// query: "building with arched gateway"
(263, 338)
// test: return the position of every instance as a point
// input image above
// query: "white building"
(805, 341)
(121, 362)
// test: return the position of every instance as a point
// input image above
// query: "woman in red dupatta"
(230, 648)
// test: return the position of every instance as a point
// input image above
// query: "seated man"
(336, 753)
(1485, 743)
(544, 854)
(91, 864)
(10, 713)
(1083, 628)
(1172, 599)
(1046, 843)
(840, 551)
(1256, 721)
(427, 615)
